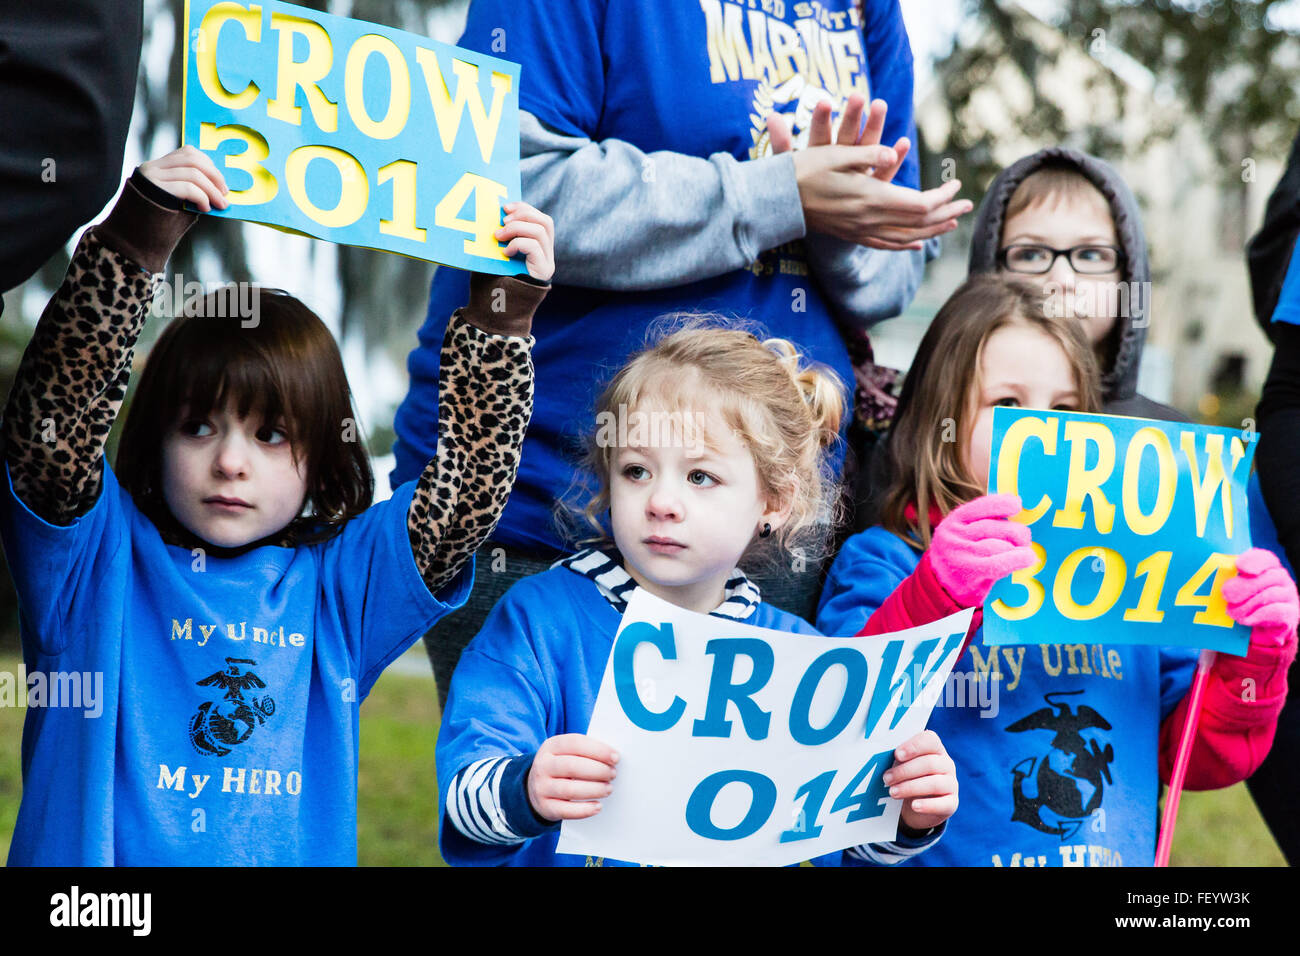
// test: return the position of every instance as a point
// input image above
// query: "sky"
(930, 26)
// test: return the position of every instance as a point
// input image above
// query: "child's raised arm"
(72, 379)
(485, 399)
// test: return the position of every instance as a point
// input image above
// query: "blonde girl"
(745, 471)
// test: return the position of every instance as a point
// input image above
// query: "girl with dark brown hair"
(231, 590)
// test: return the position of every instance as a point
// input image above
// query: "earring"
(767, 530)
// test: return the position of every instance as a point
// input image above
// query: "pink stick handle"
(1167, 821)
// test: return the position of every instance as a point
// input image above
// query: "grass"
(397, 800)
(11, 784)
(397, 790)
(1222, 828)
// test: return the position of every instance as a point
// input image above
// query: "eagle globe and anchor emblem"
(219, 725)
(1071, 776)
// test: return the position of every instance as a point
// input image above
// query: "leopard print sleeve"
(485, 400)
(73, 376)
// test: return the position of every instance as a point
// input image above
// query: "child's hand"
(569, 775)
(925, 777)
(188, 174)
(1263, 597)
(531, 233)
(976, 545)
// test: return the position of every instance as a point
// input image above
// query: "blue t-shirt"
(687, 77)
(534, 671)
(1055, 746)
(225, 725)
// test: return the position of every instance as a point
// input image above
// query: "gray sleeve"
(629, 220)
(866, 285)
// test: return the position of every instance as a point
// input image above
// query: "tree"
(1228, 62)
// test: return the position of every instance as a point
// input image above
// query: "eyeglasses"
(1034, 259)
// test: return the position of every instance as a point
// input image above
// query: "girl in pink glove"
(1061, 749)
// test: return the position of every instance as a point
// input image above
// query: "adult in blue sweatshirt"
(643, 134)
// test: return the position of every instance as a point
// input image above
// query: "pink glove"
(976, 545)
(1236, 728)
(1263, 597)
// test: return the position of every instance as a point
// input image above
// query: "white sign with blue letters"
(741, 745)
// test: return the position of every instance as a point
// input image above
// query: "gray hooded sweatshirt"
(1119, 382)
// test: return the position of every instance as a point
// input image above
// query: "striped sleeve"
(487, 801)
(903, 847)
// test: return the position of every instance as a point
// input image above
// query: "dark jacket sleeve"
(1278, 415)
(1278, 454)
(67, 81)
(1269, 251)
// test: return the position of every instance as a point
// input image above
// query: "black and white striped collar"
(739, 598)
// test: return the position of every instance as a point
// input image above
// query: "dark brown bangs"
(279, 365)
(227, 365)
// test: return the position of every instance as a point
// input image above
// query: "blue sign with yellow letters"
(1136, 526)
(354, 132)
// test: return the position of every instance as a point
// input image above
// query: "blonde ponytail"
(822, 391)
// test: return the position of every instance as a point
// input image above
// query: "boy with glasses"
(1068, 220)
